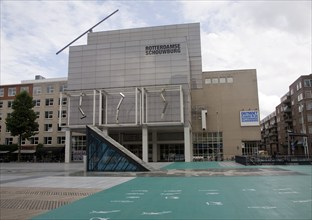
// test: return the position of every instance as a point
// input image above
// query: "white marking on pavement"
(303, 201)
(104, 212)
(249, 190)
(292, 192)
(156, 213)
(172, 197)
(121, 201)
(208, 190)
(140, 194)
(99, 218)
(214, 203)
(133, 197)
(261, 207)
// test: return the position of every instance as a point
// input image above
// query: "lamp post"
(218, 137)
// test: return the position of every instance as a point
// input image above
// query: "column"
(145, 144)
(155, 151)
(188, 148)
(68, 148)
(105, 131)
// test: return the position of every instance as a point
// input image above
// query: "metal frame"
(141, 98)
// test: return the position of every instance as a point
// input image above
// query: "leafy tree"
(22, 121)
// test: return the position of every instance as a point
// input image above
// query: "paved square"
(269, 196)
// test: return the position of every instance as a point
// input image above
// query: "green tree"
(22, 121)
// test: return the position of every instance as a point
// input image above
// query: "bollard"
(85, 163)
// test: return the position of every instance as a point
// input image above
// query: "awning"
(25, 152)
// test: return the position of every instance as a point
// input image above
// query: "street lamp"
(218, 137)
(288, 139)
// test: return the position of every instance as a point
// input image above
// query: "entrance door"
(171, 152)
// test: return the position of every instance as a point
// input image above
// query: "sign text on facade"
(162, 49)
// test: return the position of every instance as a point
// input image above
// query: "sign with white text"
(249, 118)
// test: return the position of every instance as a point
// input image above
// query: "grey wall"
(118, 59)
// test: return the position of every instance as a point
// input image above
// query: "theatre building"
(145, 89)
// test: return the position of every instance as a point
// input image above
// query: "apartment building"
(46, 99)
(293, 120)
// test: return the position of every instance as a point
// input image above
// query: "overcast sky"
(273, 37)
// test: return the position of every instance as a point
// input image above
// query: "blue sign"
(249, 118)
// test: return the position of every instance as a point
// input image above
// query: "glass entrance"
(171, 152)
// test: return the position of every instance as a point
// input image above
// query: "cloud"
(30, 38)
(273, 37)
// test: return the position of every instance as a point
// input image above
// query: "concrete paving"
(200, 190)
(29, 189)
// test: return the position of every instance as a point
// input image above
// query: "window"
(310, 129)
(308, 94)
(309, 105)
(37, 90)
(207, 81)
(8, 141)
(38, 114)
(64, 101)
(291, 91)
(229, 80)
(300, 97)
(292, 102)
(34, 140)
(59, 128)
(307, 83)
(299, 86)
(222, 80)
(1, 92)
(48, 127)
(215, 80)
(23, 141)
(60, 140)
(25, 88)
(48, 114)
(49, 102)
(63, 115)
(50, 89)
(1, 104)
(10, 103)
(36, 102)
(63, 87)
(47, 140)
(12, 91)
(0, 116)
(309, 118)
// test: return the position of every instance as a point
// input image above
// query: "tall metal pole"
(89, 30)
(218, 137)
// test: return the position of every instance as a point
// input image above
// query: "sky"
(273, 37)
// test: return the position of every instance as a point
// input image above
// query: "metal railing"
(274, 160)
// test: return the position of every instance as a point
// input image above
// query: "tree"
(22, 121)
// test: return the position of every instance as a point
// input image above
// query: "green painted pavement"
(193, 165)
(252, 197)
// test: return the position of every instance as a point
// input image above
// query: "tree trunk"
(19, 148)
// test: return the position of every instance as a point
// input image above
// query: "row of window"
(35, 140)
(12, 91)
(36, 90)
(306, 83)
(220, 80)
(37, 102)
(49, 89)
(49, 127)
